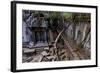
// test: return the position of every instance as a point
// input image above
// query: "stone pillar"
(45, 36)
(51, 36)
(38, 37)
(33, 34)
(35, 37)
(41, 36)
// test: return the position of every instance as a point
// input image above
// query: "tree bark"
(86, 36)
(58, 37)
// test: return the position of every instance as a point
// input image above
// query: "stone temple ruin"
(48, 36)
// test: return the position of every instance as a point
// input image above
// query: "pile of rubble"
(38, 54)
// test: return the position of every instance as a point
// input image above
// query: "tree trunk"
(86, 36)
(58, 37)
(84, 32)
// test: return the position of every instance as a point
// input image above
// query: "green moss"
(67, 15)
